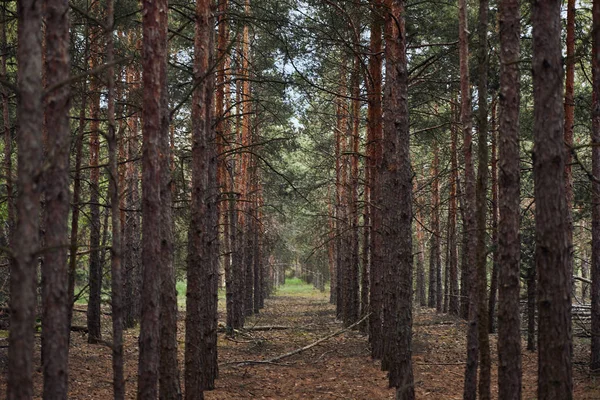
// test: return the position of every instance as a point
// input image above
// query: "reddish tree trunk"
(153, 55)
(552, 220)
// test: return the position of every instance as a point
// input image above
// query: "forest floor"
(338, 368)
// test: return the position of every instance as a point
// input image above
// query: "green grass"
(297, 287)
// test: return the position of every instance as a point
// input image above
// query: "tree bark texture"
(595, 261)
(397, 207)
(553, 251)
(55, 297)
(153, 55)
(203, 252)
(95, 262)
(29, 170)
(374, 152)
(481, 206)
(509, 247)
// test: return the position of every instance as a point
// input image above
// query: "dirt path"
(339, 368)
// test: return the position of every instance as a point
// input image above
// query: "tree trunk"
(552, 213)
(374, 152)
(95, 266)
(353, 299)
(421, 298)
(494, 183)
(131, 231)
(203, 252)
(169, 387)
(153, 54)
(453, 301)
(569, 107)
(509, 247)
(397, 208)
(29, 169)
(55, 331)
(340, 209)
(531, 294)
(481, 207)
(115, 250)
(470, 227)
(595, 260)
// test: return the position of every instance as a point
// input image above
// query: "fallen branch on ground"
(297, 351)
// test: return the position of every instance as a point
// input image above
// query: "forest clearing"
(339, 368)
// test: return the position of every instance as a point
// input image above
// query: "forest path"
(338, 368)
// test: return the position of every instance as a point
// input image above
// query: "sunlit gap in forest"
(300, 199)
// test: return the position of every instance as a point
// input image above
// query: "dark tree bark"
(469, 180)
(551, 217)
(374, 151)
(222, 128)
(131, 230)
(569, 107)
(95, 264)
(76, 207)
(509, 248)
(531, 307)
(340, 207)
(55, 331)
(470, 226)
(481, 207)
(153, 55)
(168, 371)
(396, 204)
(421, 297)
(331, 248)
(494, 183)
(595, 259)
(435, 299)
(203, 252)
(453, 301)
(26, 244)
(352, 308)
(113, 189)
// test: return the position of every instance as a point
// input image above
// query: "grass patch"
(297, 287)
